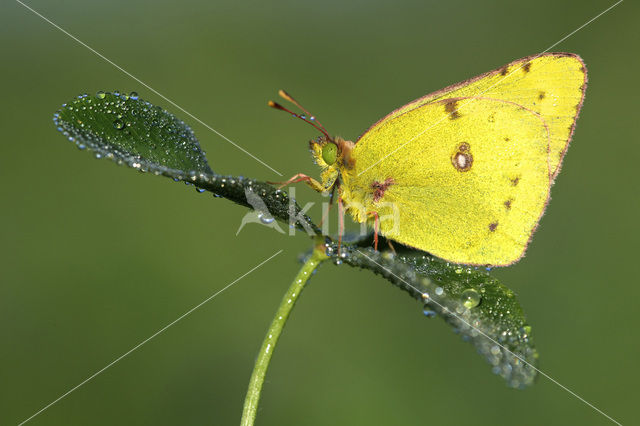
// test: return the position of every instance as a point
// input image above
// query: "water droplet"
(118, 124)
(428, 312)
(266, 219)
(470, 298)
(388, 255)
(100, 95)
(439, 291)
(200, 190)
(134, 96)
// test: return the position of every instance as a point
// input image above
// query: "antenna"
(290, 98)
(321, 129)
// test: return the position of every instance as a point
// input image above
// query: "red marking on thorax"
(379, 188)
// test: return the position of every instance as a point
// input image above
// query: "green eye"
(329, 153)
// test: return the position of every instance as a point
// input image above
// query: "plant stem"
(271, 339)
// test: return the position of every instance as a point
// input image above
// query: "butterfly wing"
(550, 84)
(470, 189)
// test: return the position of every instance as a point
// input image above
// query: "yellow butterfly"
(465, 172)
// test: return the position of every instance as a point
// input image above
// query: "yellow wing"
(469, 190)
(551, 84)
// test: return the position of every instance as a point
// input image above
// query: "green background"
(95, 258)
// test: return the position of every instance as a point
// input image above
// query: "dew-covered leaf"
(131, 131)
(474, 303)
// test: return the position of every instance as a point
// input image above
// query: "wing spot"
(507, 139)
(492, 118)
(507, 204)
(527, 67)
(462, 159)
(541, 95)
(504, 71)
(379, 188)
(515, 181)
(451, 108)
(493, 226)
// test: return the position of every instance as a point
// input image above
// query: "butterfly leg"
(340, 222)
(314, 184)
(376, 228)
(391, 247)
(331, 197)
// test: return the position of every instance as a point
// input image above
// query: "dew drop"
(101, 95)
(266, 219)
(470, 298)
(134, 96)
(428, 312)
(118, 124)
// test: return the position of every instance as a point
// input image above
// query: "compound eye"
(329, 153)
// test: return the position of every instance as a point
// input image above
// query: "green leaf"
(477, 305)
(131, 131)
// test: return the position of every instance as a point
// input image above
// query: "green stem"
(271, 339)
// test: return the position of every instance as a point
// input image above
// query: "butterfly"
(463, 173)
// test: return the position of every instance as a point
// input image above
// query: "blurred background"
(95, 258)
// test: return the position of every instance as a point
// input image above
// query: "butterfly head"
(332, 154)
